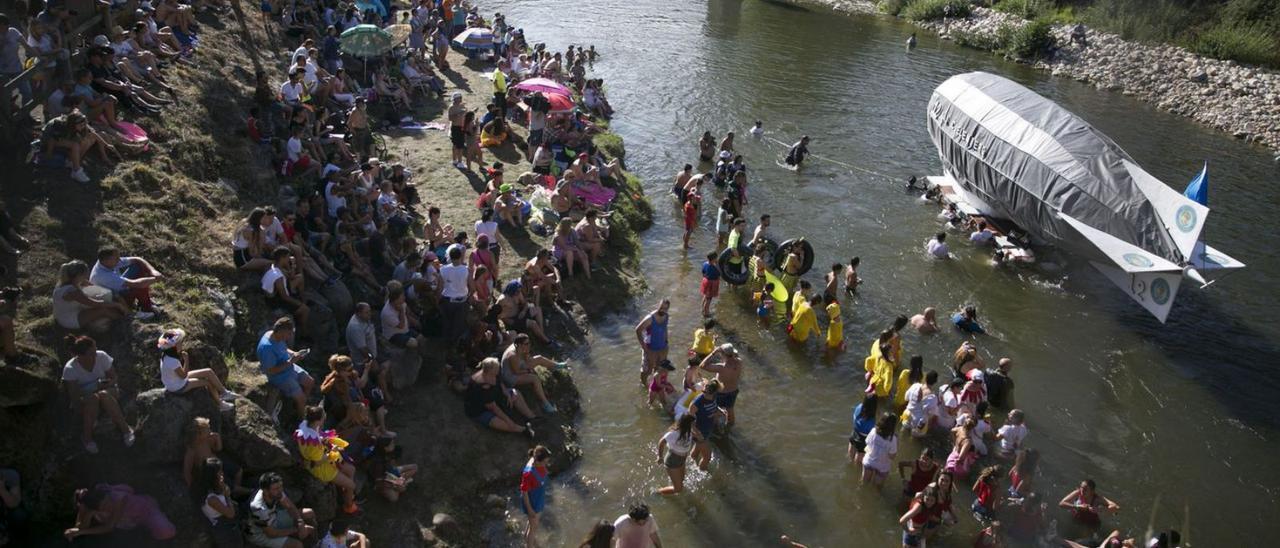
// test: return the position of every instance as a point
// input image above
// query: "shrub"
(1030, 41)
(981, 40)
(1021, 8)
(891, 7)
(927, 10)
(1246, 43)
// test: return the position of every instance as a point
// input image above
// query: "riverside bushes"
(1251, 44)
(927, 10)
(1030, 41)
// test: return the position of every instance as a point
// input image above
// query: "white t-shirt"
(1011, 436)
(757, 130)
(950, 409)
(489, 229)
(169, 374)
(294, 148)
(981, 237)
(629, 534)
(291, 92)
(455, 281)
(938, 249)
(331, 200)
(269, 280)
(921, 406)
(274, 234)
(391, 321)
(676, 445)
(87, 380)
(880, 452)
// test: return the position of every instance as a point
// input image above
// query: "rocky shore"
(1243, 101)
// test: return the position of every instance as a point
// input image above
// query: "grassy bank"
(1247, 31)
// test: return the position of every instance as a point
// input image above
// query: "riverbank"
(1242, 101)
(177, 207)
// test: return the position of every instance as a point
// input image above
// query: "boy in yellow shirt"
(805, 321)
(704, 341)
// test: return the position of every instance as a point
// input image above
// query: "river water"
(1176, 422)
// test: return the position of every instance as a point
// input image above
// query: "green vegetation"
(892, 7)
(1030, 41)
(1247, 31)
(928, 10)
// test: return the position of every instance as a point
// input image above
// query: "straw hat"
(170, 338)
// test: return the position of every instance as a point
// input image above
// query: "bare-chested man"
(518, 315)
(518, 369)
(543, 276)
(457, 131)
(728, 372)
(358, 125)
(682, 178)
(591, 236)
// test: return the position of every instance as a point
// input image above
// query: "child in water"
(691, 205)
(704, 341)
(710, 282)
(835, 327)
(832, 280)
(660, 389)
(851, 279)
(987, 491)
(764, 301)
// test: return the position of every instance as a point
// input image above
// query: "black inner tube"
(735, 274)
(783, 250)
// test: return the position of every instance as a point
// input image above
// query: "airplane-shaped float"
(1014, 155)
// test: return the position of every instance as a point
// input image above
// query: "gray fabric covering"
(1026, 155)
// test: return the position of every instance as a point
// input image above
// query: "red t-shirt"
(254, 134)
(529, 480)
(690, 214)
(986, 495)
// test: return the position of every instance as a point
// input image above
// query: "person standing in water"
(710, 288)
(1086, 505)
(673, 452)
(798, 152)
(682, 179)
(864, 420)
(882, 448)
(911, 42)
(926, 322)
(832, 280)
(728, 374)
(706, 147)
(651, 332)
(533, 491)
(804, 321)
(835, 325)
(851, 279)
(757, 130)
(726, 144)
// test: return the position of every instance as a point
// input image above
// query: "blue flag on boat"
(1198, 190)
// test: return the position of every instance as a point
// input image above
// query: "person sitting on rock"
(322, 456)
(218, 506)
(519, 369)
(341, 535)
(543, 277)
(518, 315)
(178, 378)
(106, 508)
(283, 284)
(90, 383)
(74, 309)
(398, 326)
(204, 444)
(274, 521)
(390, 477)
(129, 278)
(488, 402)
(344, 386)
(362, 346)
(71, 134)
(280, 365)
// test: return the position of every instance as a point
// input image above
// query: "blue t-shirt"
(965, 324)
(710, 272)
(860, 425)
(271, 354)
(704, 411)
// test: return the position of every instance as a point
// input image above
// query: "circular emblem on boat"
(1137, 260)
(1160, 291)
(1185, 218)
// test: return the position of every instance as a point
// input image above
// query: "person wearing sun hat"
(508, 206)
(179, 378)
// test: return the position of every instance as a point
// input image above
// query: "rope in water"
(845, 165)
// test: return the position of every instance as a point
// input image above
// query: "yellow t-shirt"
(703, 342)
(900, 395)
(804, 322)
(835, 329)
(499, 81)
